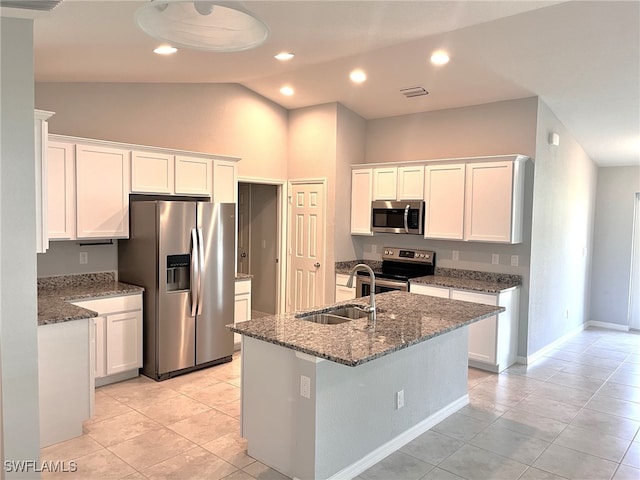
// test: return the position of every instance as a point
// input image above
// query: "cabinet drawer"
(483, 298)
(342, 279)
(243, 286)
(441, 292)
(112, 304)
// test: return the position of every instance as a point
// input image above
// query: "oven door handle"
(406, 218)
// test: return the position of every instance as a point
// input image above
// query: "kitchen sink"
(335, 316)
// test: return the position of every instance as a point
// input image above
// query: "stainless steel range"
(399, 265)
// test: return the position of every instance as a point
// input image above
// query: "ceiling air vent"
(416, 91)
(41, 5)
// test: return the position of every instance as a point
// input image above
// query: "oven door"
(363, 285)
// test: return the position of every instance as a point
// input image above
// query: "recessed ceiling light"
(358, 76)
(439, 58)
(283, 56)
(165, 50)
(287, 90)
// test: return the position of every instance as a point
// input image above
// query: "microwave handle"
(406, 219)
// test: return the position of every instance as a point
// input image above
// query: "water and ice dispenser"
(178, 272)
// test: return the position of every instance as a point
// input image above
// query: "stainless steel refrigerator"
(182, 253)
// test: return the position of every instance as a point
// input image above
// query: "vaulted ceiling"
(581, 58)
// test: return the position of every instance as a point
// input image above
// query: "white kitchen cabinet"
(342, 291)
(152, 172)
(493, 341)
(102, 191)
(61, 190)
(193, 176)
(65, 379)
(225, 181)
(361, 195)
(410, 182)
(385, 183)
(118, 337)
(430, 290)
(444, 193)
(493, 201)
(41, 132)
(242, 307)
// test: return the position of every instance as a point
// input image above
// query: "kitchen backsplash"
(63, 258)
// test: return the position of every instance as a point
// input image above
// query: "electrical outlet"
(495, 259)
(84, 258)
(305, 386)
(455, 255)
(399, 399)
(514, 260)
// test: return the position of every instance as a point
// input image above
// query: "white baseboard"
(529, 359)
(607, 325)
(400, 441)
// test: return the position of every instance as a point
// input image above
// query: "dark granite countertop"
(403, 319)
(55, 293)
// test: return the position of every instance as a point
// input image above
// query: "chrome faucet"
(371, 310)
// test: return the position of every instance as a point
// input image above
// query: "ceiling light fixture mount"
(213, 26)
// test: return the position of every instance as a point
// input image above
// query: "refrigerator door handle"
(195, 272)
(201, 274)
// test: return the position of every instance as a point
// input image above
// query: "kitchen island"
(329, 401)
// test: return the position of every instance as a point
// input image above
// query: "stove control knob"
(390, 252)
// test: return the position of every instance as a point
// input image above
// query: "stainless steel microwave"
(397, 217)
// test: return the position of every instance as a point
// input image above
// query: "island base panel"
(351, 418)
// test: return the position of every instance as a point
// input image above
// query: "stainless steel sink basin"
(335, 316)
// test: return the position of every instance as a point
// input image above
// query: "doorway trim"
(634, 280)
(283, 234)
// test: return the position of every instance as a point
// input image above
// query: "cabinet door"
(61, 191)
(483, 335)
(444, 201)
(361, 191)
(152, 172)
(225, 183)
(124, 342)
(102, 183)
(411, 182)
(242, 311)
(193, 176)
(430, 290)
(385, 183)
(488, 204)
(99, 351)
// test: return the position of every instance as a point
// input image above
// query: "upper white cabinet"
(361, 194)
(102, 191)
(410, 182)
(225, 181)
(444, 201)
(385, 183)
(493, 201)
(61, 190)
(193, 176)
(398, 183)
(152, 172)
(41, 131)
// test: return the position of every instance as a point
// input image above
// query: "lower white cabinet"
(65, 379)
(342, 291)
(242, 311)
(118, 337)
(493, 342)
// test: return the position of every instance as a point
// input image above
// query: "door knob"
(243, 255)
(316, 264)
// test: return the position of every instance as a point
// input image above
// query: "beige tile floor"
(574, 414)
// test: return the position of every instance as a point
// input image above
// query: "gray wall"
(613, 232)
(264, 225)
(562, 228)
(226, 119)
(63, 258)
(18, 327)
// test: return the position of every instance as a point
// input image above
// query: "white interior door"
(306, 248)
